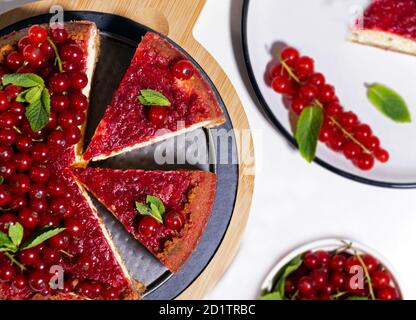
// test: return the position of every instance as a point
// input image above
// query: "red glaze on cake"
(128, 124)
(389, 24)
(43, 191)
(187, 194)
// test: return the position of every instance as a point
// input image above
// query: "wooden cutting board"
(176, 19)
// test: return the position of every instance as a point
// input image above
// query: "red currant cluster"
(295, 77)
(30, 192)
(332, 276)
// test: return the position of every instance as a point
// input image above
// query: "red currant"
(387, 294)
(14, 60)
(4, 102)
(29, 257)
(24, 143)
(111, 294)
(79, 80)
(311, 261)
(73, 135)
(308, 92)
(183, 70)
(48, 51)
(352, 151)
(71, 53)
(158, 116)
(57, 139)
(39, 173)
(365, 162)
(6, 220)
(61, 208)
(147, 227)
(371, 263)
(79, 102)
(362, 132)
(277, 71)
(283, 85)
(338, 280)
(23, 42)
(7, 272)
(174, 220)
(320, 278)
(59, 82)
(49, 220)
(348, 120)
(73, 227)
(79, 118)
(382, 155)
(8, 120)
(6, 154)
(306, 286)
(304, 67)
(5, 196)
(28, 218)
(23, 161)
(60, 241)
(59, 34)
(8, 136)
(18, 202)
(56, 188)
(33, 55)
(19, 282)
(37, 34)
(52, 256)
(66, 120)
(59, 102)
(333, 109)
(20, 184)
(290, 56)
(381, 279)
(327, 93)
(38, 281)
(317, 80)
(40, 153)
(298, 105)
(40, 206)
(12, 91)
(7, 170)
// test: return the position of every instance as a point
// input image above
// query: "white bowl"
(330, 244)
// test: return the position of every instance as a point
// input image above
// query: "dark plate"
(119, 39)
(379, 181)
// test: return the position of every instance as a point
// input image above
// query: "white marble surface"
(294, 202)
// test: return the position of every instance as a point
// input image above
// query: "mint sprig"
(153, 207)
(36, 96)
(11, 243)
(150, 97)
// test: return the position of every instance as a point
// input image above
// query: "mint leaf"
(156, 203)
(283, 274)
(26, 80)
(41, 237)
(16, 233)
(154, 208)
(272, 296)
(37, 115)
(143, 209)
(33, 94)
(389, 102)
(6, 244)
(1, 179)
(150, 97)
(307, 131)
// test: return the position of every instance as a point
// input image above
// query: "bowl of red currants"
(332, 269)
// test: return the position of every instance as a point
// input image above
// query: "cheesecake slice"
(161, 95)
(165, 211)
(388, 24)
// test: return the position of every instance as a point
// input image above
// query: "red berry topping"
(148, 227)
(5, 196)
(174, 220)
(79, 80)
(183, 70)
(6, 220)
(60, 241)
(4, 102)
(33, 55)
(78, 102)
(306, 286)
(14, 60)
(7, 272)
(71, 53)
(39, 173)
(20, 184)
(37, 34)
(28, 218)
(158, 116)
(58, 34)
(59, 102)
(38, 281)
(59, 82)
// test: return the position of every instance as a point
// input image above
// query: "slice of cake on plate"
(388, 24)
(166, 211)
(161, 95)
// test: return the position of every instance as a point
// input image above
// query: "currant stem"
(367, 274)
(67, 253)
(14, 261)
(319, 104)
(58, 58)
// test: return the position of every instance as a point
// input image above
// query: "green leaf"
(6, 244)
(282, 276)
(21, 97)
(1, 179)
(157, 203)
(150, 97)
(389, 102)
(37, 115)
(358, 298)
(272, 296)
(307, 131)
(16, 233)
(34, 94)
(26, 80)
(42, 237)
(143, 209)
(46, 101)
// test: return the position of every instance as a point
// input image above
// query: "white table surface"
(294, 202)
